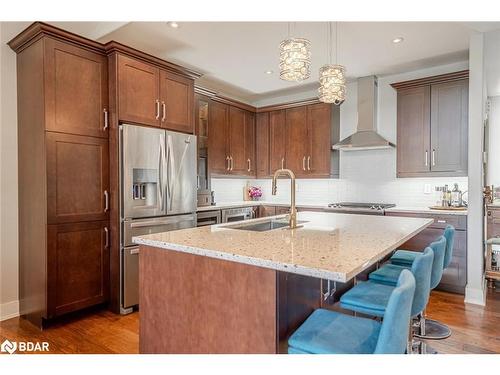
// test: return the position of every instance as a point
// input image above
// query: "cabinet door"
(237, 141)
(177, 102)
(413, 127)
(262, 144)
(138, 92)
(250, 143)
(297, 149)
(217, 138)
(265, 211)
(76, 89)
(77, 178)
(277, 141)
(319, 124)
(449, 118)
(77, 266)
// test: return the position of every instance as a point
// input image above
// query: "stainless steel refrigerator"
(157, 194)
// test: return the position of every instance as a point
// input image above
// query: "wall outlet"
(427, 188)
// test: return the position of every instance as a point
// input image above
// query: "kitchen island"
(236, 288)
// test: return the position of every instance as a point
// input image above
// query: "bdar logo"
(8, 347)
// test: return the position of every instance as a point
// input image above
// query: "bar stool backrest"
(422, 269)
(393, 335)
(439, 249)
(449, 234)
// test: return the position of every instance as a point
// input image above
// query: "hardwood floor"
(475, 329)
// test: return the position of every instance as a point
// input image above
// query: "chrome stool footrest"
(435, 330)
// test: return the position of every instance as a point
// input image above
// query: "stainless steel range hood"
(366, 136)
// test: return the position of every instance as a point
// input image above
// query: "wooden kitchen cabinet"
(321, 136)
(262, 145)
(231, 141)
(77, 266)
(237, 141)
(250, 143)
(218, 159)
(454, 277)
(297, 150)
(449, 119)
(152, 96)
(413, 138)
(138, 91)
(77, 178)
(76, 89)
(177, 102)
(277, 140)
(432, 125)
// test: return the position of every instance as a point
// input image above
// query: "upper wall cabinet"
(152, 96)
(231, 147)
(432, 126)
(76, 90)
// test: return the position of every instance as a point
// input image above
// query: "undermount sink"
(262, 226)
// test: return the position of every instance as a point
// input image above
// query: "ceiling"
(234, 56)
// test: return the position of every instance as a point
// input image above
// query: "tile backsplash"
(405, 192)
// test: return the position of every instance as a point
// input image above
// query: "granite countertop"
(222, 206)
(403, 209)
(425, 210)
(331, 246)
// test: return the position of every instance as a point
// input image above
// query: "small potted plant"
(254, 192)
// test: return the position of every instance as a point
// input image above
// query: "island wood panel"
(220, 306)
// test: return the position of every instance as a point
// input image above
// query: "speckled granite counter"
(328, 245)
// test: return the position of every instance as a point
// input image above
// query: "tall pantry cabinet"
(63, 173)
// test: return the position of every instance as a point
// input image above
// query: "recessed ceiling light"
(174, 25)
(269, 72)
(397, 40)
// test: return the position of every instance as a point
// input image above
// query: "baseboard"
(9, 310)
(476, 296)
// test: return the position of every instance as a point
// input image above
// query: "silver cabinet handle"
(308, 163)
(106, 237)
(304, 163)
(134, 251)
(157, 105)
(433, 157)
(426, 158)
(106, 119)
(282, 163)
(232, 163)
(228, 165)
(106, 201)
(164, 111)
(249, 165)
(441, 221)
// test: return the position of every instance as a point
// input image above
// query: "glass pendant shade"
(295, 59)
(332, 82)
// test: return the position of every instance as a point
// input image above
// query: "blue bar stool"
(430, 329)
(371, 297)
(330, 332)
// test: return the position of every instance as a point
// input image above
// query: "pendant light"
(332, 78)
(295, 58)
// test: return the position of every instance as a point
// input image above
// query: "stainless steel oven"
(206, 218)
(238, 214)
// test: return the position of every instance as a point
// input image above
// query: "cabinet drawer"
(428, 235)
(459, 222)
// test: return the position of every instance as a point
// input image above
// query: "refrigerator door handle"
(160, 173)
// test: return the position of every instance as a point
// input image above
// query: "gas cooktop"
(355, 207)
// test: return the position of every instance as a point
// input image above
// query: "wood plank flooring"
(476, 329)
